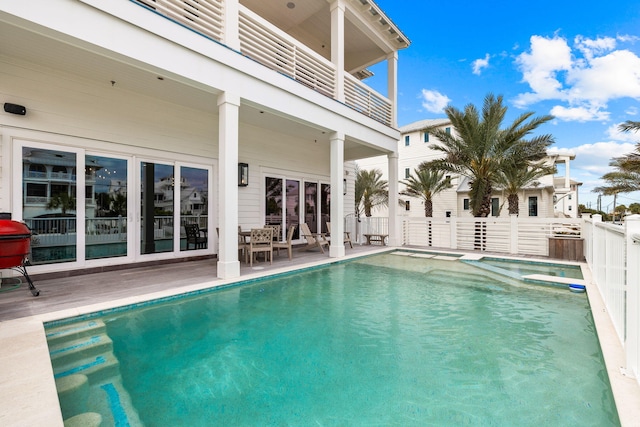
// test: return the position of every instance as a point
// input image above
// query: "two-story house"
(548, 197)
(156, 91)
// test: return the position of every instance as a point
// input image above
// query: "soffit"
(369, 35)
(89, 64)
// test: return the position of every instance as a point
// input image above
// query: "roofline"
(385, 20)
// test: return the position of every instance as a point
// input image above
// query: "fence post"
(632, 241)
(513, 228)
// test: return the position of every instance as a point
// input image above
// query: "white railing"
(202, 16)
(613, 254)
(365, 225)
(365, 100)
(275, 49)
(513, 235)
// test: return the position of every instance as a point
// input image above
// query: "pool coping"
(28, 386)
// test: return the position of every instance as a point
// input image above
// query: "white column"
(231, 35)
(336, 249)
(228, 109)
(392, 86)
(337, 45)
(567, 174)
(395, 239)
(632, 344)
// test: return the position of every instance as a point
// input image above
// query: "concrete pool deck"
(27, 384)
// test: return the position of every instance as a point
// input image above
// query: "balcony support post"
(337, 46)
(395, 238)
(228, 109)
(392, 86)
(336, 249)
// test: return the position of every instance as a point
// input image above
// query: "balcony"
(274, 48)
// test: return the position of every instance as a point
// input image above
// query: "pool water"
(523, 268)
(383, 341)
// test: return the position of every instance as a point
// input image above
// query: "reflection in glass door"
(274, 204)
(156, 213)
(49, 204)
(105, 207)
(194, 195)
(325, 206)
(311, 205)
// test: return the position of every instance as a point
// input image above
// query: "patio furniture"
(373, 237)
(347, 235)
(261, 240)
(314, 240)
(195, 236)
(286, 244)
(276, 231)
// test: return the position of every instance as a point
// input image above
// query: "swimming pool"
(384, 340)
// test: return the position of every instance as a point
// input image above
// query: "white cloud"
(480, 64)
(580, 114)
(540, 68)
(586, 77)
(614, 133)
(433, 101)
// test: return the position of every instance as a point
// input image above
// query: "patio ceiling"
(74, 59)
(369, 34)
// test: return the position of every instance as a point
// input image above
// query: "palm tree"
(625, 178)
(63, 201)
(482, 148)
(425, 183)
(371, 191)
(513, 177)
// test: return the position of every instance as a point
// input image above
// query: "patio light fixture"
(243, 174)
(344, 187)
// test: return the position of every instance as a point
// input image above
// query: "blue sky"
(576, 60)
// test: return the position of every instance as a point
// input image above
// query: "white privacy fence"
(613, 255)
(513, 235)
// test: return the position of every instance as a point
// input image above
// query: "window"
(570, 207)
(533, 206)
(447, 130)
(447, 214)
(407, 205)
(407, 173)
(569, 196)
(465, 204)
(495, 206)
(426, 137)
(448, 178)
(406, 140)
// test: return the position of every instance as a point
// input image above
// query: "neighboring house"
(158, 92)
(547, 197)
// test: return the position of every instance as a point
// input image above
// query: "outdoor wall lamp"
(243, 174)
(344, 187)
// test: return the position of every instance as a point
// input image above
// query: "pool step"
(67, 352)
(58, 334)
(87, 374)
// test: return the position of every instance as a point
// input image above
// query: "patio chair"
(195, 236)
(347, 235)
(276, 231)
(261, 240)
(314, 240)
(286, 244)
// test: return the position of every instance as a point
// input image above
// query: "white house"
(153, 90)
(549, 196)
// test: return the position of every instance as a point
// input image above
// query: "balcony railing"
(367, 101)
(273, 48)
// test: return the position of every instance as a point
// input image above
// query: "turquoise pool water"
(524, 268)
(383, 341)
